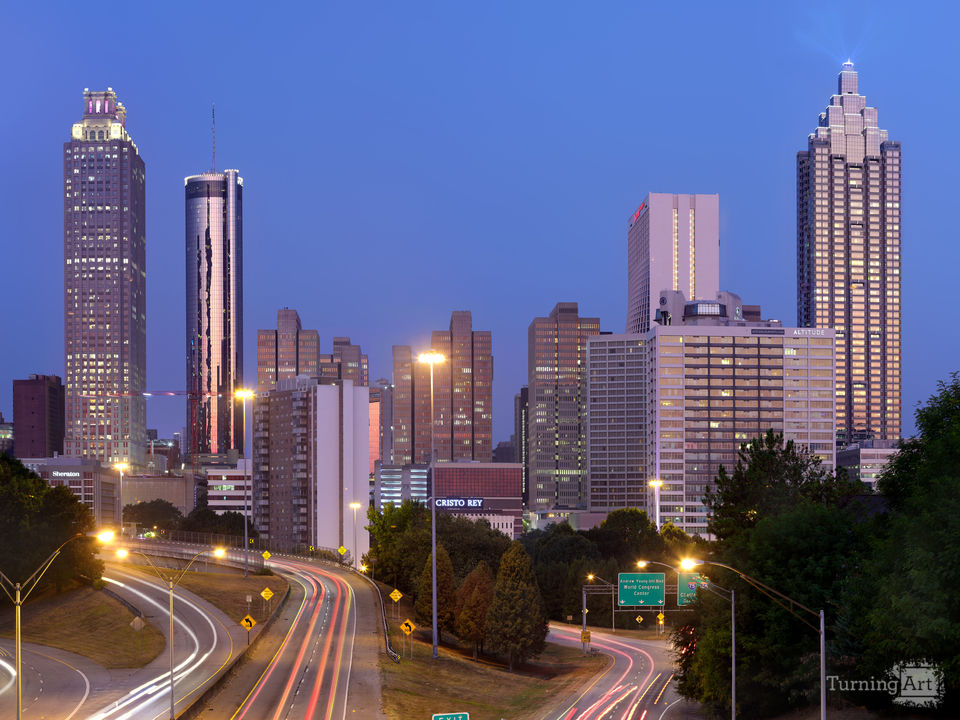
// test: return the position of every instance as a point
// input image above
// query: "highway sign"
(266, 554)
(396, 595)
(342, 550)
(638, 619)
(248, 622)
(660, 617)
(452, 716)
(585, 636)
(641, 589)
(407, 627)
(266, 593)
(687, 585)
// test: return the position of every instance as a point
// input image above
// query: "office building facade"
(286, 352)
(673, 243)
(38, 416)
(848, 258)
(462, 397)
(395, 483)
(521, 402)
(866, 460)
(557, 412)
(214, 305)
(105, 313)
(480, 490)
(311, 455)
(94, 485)
(713, 381)
(346, 362)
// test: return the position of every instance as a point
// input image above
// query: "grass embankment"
(421, 686)
(228, 592)
(89, 623)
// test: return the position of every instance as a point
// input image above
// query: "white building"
(311, 459)
(673, 244)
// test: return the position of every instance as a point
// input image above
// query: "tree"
(400, 540)
(906, 599)
(470, 542)
(160, 514)
(473, 602)
(36, 519)
(446, 592)
(516, 623)
(205, 520)
(770, 476)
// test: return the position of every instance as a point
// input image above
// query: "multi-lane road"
(637, 685)
(308, 676)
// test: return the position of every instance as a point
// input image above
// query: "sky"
(403, 160)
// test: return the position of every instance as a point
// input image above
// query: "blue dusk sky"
(405, 159)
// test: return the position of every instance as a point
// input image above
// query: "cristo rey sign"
(454, 503)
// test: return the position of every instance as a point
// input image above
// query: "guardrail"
(184, 551)
(388, 647)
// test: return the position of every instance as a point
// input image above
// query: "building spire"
(213, 130)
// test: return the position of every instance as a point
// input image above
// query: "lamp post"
(171, 582)
(432, 358)
(733, 628)
(19, 595)
(356, 550)
(613, 598)
(781, 599)
(121, 467)
(243, 396)
(656, 485)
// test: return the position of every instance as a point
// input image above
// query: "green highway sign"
(452, 716)
(687, 585)
(641, 589)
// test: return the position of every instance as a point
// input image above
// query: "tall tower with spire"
(848, 258)
(104, 285)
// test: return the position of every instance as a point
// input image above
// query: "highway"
(309, 674)
(56, 684)
(637, 685)
(203, 644)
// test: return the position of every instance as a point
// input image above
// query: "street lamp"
(432, 358)
(656, 485)
(122, 467)
(690, 563)
(613, 607)
(243, 396)
(171, 582)
(356, 550)
(687, 565)
(21, 591)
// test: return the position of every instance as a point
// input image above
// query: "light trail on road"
(307, 679)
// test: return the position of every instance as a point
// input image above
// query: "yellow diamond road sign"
(396, 595)
(266, 554)
(639, 619)
(407, 627)
(248, 622)
(341, 550)
(267, 593)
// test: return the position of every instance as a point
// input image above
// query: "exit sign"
(452, 716)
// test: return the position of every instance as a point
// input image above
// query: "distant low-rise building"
(181, 491)
(38, 416)
(865, 460)
(491, 491)
(94, 485)
(395, 483)
(230, 489)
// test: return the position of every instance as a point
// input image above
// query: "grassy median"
(421, 686)
(89, 623)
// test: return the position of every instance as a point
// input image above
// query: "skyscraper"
(673, 244)
(848, 258)
(346, 362)
(462, 397)
(214, 263)
(104, 279)
(557, 377)
(38, 411)
(286, 352)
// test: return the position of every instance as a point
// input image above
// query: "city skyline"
(589, 228)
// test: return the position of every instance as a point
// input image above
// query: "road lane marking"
(663, 688)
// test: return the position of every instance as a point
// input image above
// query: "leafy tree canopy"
(516, 623)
